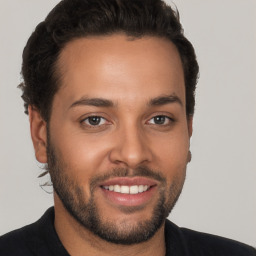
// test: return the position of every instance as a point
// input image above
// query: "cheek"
(82, 153)
(80, 160)
(172, 154)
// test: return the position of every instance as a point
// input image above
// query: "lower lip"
(129, 199)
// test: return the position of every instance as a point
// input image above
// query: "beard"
(85, 211)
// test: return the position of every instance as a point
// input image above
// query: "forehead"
(119, 68)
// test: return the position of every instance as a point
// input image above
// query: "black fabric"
(186, 242)
(40, 239)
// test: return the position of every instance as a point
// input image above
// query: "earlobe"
(38, 130)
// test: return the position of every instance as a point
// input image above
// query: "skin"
(129, 73)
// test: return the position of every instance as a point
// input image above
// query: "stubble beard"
(85, 210)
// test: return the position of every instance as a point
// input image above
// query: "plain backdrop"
(219, 196)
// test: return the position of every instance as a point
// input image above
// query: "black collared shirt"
(41, 239)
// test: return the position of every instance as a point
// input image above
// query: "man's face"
(118, 136)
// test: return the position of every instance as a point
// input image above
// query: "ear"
(38, 130)
(190, 125)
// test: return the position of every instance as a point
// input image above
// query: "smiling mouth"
(133, 190)
(129, 191)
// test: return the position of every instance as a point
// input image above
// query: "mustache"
(142, 171)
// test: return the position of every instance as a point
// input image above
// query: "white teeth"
(127, 189)
(117, 188)
(134, 189)
(141, 188)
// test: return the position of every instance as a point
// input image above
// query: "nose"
(131, 148)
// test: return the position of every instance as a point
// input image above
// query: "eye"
(160, 120)
(94, 121)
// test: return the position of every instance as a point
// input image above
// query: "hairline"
(58, 65)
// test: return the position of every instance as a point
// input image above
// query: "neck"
(77, 240)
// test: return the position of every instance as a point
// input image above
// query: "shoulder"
(16, 242)
(202, 244)
(208, 244)
(24, 241)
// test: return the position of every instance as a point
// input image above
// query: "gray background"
(220, 194)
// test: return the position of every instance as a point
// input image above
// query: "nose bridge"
(132, 147)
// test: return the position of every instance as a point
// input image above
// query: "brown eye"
(160, 120)
(94, 120)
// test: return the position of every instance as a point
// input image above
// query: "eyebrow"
(165, 99)
(100, 102)
(96, 102)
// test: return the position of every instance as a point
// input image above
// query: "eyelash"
(86, 121)
(170, 120)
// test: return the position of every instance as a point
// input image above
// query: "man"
(109, 89)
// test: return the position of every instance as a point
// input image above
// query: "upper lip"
(129, 181)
